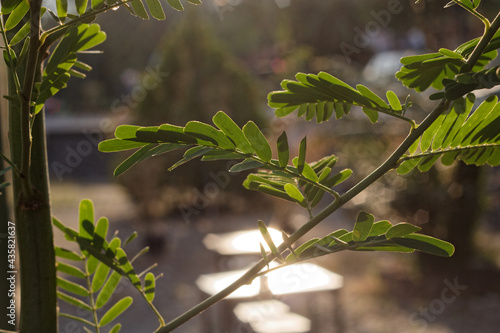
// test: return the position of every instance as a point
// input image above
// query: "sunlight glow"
(213, 283)
(271, 316)
(240, 242)
(304, 277)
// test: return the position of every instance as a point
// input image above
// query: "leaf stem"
(91, 296)
(489, 32)
(32, 66)
(448, 150)
(11, 64)
(14, 167)
(474, 12)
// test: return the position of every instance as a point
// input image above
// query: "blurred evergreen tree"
(198, 76)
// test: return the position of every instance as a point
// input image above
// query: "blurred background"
(227, 55)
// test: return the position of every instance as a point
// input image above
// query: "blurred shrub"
(199, 77)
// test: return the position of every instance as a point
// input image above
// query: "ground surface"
(382, 292)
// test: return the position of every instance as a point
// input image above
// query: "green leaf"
(426, 244)
(71, 270)
(16, 15)
(116, 310)
(422, 71)
(302, 248)
(294, 193)
(264, 254)
(371, 96)
(176, 4)
(208, 133)
(372, 115)
(67, 254)
(126, 132)
(407, 166)
(62, 8)
(8, 6)
(92, 263)
(133, 159)
(100, 233)
(269, 240)
(100, 276)
(247, 164)
(232, 131)
(283, 151)
(86, 219)
(451, 54)
(76, 318)
(401, 229)
(73, 301)
(309, 173)
(190, 155)
(72, 287)
(126, 266)
(97, 4)
(302, 155)
(108, 289)
(217, 155)
(149, 287)
(131, 238)
(334, 240)
(338, 178)
(156, 9)
(20, 34)
(81, 6)
(394, 101)
(116, 328)
(139, 9)
(380, 228)
(362, 227)
(258, 141)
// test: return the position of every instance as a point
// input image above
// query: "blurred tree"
(195, 77)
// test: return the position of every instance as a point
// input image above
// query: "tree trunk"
(35, 245)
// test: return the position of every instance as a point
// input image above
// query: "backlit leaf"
(72, 287)
(302, 155)
(73, 301)
(233, 131)
(362, 227)
(267, 237)
(71, 270)
(156, 9)
(401, 229)
(149, 286)
(86, 219)
(176, 4)
(258, 141)
(283, 151)
(427, 244)
(99, 277)
(116, 310)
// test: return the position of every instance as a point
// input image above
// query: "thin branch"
(11, 63)
(489, 32)
(14, 167)
(84, 17)
(474, 12)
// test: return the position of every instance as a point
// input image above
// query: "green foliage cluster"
(102, 264)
